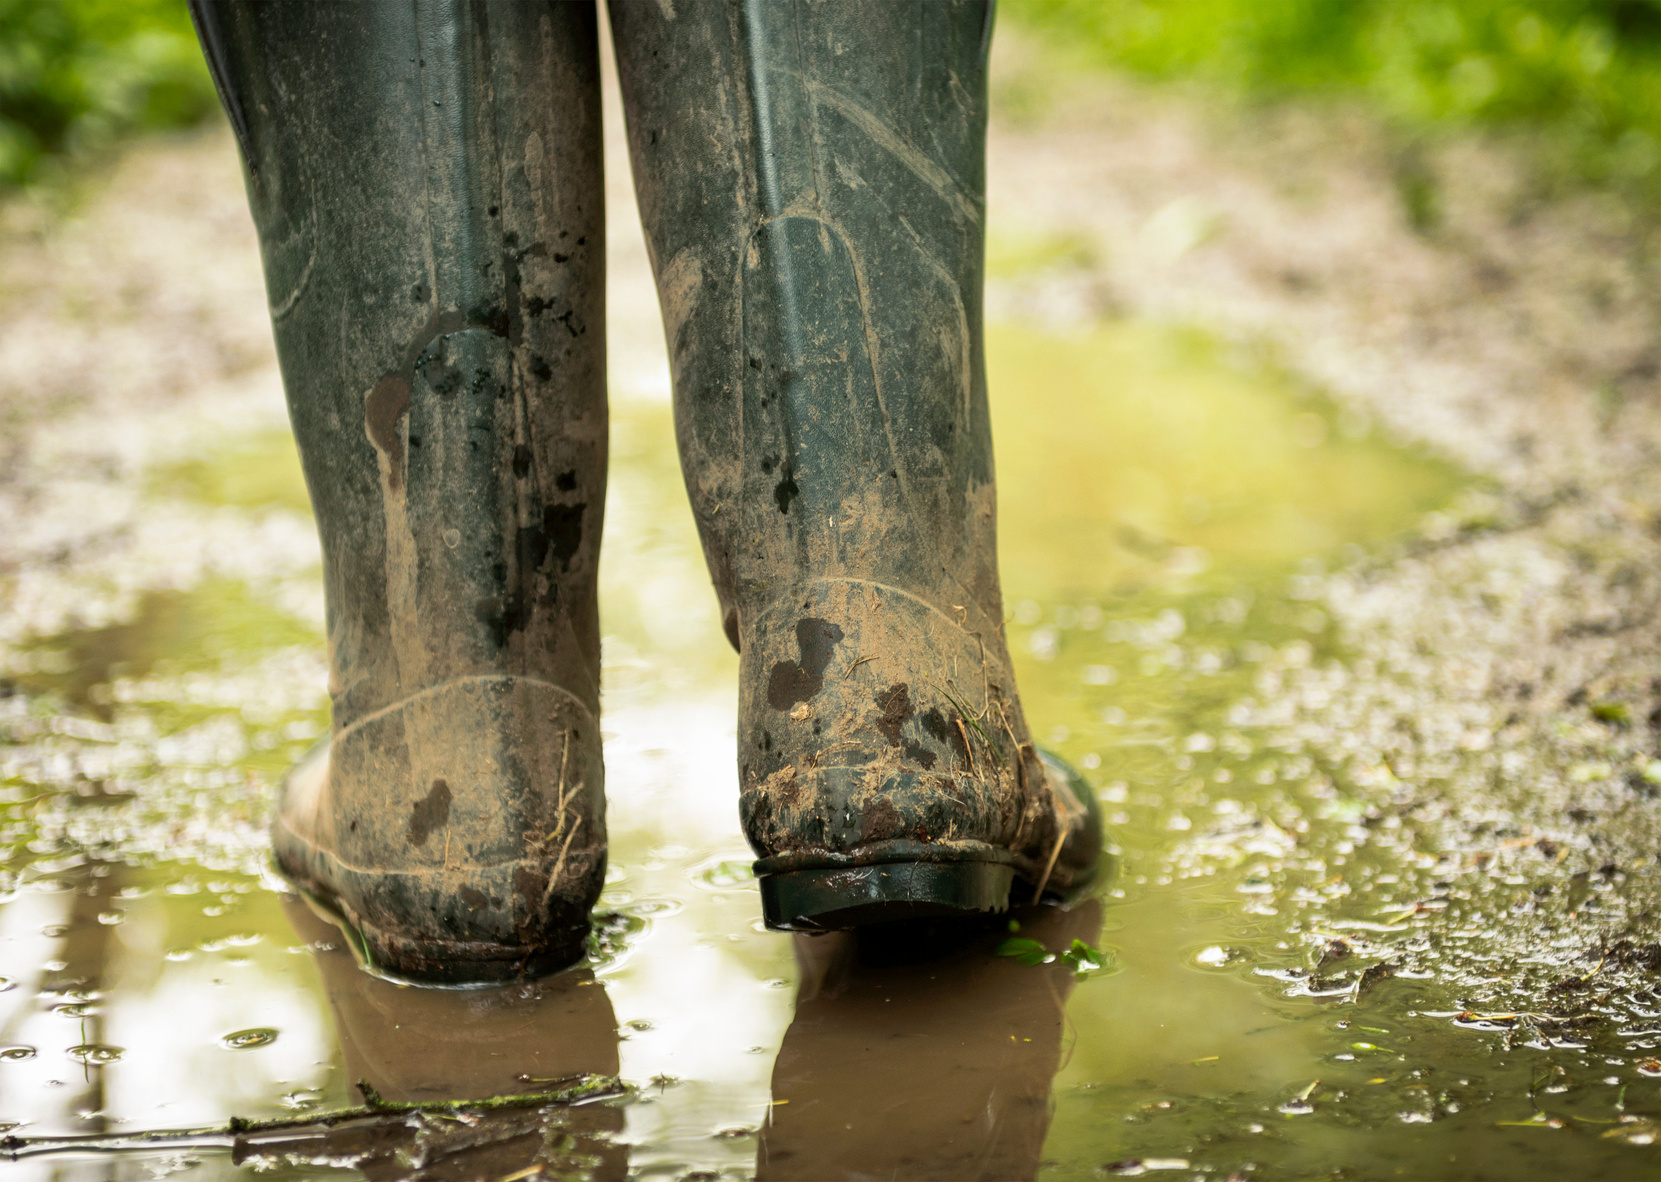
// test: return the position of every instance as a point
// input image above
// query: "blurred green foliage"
(75, 74)
(1583, 77)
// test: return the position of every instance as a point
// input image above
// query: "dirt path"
(1506, 687)
(1508, 674)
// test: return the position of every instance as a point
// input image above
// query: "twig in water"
(226, 1136)
(1050, 867)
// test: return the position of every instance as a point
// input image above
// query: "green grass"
(75, 75)
(1581, 78)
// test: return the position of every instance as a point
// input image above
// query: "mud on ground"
(1501, 710)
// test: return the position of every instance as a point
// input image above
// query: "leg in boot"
(425, 179)
(811, 178)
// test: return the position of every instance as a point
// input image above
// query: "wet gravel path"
(1503, 698)
(1499, 711)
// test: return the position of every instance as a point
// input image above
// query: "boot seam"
(382, 712)
(779, 604)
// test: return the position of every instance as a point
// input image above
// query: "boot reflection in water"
(899, 1064)
(441, 1044)
(425, 179)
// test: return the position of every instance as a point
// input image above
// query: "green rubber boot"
(811, 179)
(426, 182)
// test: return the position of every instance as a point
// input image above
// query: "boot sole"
(411, 959)
(835, 898)
(414, 960)
(904, 880)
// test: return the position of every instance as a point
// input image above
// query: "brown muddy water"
(1283, 979)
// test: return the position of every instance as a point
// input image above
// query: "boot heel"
(833, 898)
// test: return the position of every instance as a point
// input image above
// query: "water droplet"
(55, 930)
(96, 1053)
(14, 1054)
(243, 1040)
(6, 983)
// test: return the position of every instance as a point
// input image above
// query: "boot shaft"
(815, 216)
(426, 182)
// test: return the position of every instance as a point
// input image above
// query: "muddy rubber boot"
(426, 182)
(811, 180)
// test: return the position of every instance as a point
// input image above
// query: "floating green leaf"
(1024, 950)
(1084, 958)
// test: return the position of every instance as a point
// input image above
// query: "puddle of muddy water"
(1288, 984)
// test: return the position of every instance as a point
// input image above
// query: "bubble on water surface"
(239, 940)
(94, 1053)
(247, 1040)
(1136, 1166)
